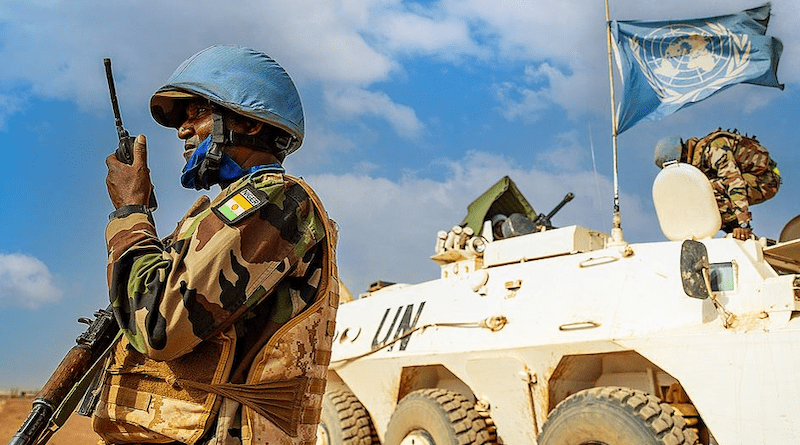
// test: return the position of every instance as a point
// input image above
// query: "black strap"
(129, 210)
(248, 140)
(208, 174)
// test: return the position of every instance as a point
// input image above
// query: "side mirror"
(694, 259)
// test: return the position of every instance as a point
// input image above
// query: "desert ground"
(14, 410)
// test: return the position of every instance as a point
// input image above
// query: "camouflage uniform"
(193, 305)
(740, 170)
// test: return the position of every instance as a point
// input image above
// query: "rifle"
(60, 395)
(124, 152)
(544, 220)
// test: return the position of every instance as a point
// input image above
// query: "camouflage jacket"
(251, 258)
(726, 157)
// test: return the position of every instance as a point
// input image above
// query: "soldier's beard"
(190, 146)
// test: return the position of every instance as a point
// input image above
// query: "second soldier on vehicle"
(740, 170)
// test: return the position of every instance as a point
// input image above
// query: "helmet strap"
(209, 168)
(247, 140)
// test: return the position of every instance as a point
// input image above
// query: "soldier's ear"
(253, 127)
(244, 125)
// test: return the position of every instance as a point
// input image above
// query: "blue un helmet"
(243, 80)
(667, 150)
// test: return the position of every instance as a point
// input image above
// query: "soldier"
(739, 168)
(228, 321)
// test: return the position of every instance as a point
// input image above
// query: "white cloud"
(520, 103)
(755, 99)
(25, 281)
(354, 102)
(408, 32)
(570, 153)
(9, 104)
(544, 85)
(567, 40)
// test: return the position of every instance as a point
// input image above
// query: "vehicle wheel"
(344, 420)
(615, 416)
(438, 417)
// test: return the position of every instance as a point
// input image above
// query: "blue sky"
(412, 110)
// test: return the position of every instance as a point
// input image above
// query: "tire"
(615, 416)
(344, 420)
(438, 417)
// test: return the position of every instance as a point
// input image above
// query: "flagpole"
(616, 227)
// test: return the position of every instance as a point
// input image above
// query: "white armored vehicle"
(571, 336)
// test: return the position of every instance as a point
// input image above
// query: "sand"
(14, 411)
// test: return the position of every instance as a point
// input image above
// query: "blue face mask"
(229, 170)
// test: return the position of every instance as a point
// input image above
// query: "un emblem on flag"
(684, 63)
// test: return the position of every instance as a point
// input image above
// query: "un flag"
(669, 65)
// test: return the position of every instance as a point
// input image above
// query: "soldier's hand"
(129, 184)
(742, 233)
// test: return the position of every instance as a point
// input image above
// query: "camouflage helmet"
(668, 149)
(243, 80)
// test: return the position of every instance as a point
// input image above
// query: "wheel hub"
(418, 437)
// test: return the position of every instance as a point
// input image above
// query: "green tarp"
(502, 198)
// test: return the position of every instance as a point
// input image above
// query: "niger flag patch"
(241, 204)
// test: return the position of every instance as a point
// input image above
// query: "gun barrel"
(567, 198)
(112, 91)
(34, 425)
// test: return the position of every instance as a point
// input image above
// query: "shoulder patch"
(243, 203)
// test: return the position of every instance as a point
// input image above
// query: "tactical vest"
(751, 148)
(145, 401)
